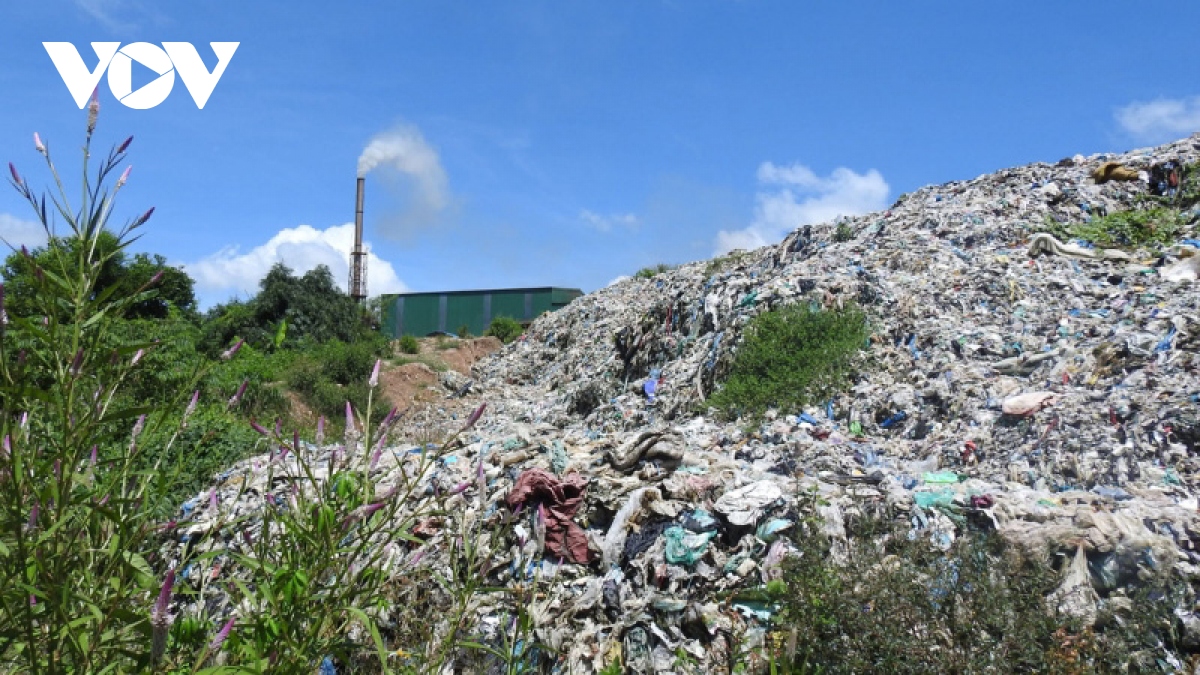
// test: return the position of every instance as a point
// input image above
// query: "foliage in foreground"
(83, 584)
(902, 605)
(792, 357)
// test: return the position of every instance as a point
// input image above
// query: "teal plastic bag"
(685, 548)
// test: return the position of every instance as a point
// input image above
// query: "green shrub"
(464, 331)
(653, 271)
(843, 233)
(505, 329)
(792, 357)
(409, 344)
(901, 605)
(1149, 228)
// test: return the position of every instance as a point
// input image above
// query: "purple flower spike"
(125, 145)
(238, 396)
(374, 380)
(475, 416)
(219, 640)
(33, 516)
(92, 460)
(145, 216)
(320, 430)
(77, 363)
(159, 615)
(156, 278)
(228, 353)
(349, 418)
(191, 406)
(460, 488)
(16, 176)
(212, 499)
(259, 428)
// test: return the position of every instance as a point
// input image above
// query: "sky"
(551, 143)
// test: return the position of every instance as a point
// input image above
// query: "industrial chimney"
(358, 257)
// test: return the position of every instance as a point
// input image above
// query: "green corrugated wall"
(424, 313)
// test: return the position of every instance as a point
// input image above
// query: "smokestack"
(358, 257)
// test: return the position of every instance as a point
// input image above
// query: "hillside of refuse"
(1016, 378)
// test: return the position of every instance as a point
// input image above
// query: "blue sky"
(569, 143)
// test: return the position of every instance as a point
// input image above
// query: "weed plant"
(95, 579)
(792, 357)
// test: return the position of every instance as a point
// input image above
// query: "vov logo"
(171, 58)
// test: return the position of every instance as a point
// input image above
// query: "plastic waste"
(684, 547)
(940, 477)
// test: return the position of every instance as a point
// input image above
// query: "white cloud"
(404, 154)
(614, 282)
(1160, 120)
(791, 196)
(16, 231)
(606, 223)
(105, 12)
(302, 248)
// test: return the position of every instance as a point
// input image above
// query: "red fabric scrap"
(561, 498)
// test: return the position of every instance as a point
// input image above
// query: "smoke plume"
(411, 167)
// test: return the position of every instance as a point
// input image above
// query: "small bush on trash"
(652, 271)
(505, 329)
(1148, 228)
(792, 357)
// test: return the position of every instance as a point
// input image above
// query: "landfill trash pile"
(1046, 387)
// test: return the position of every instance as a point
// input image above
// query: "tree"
(312, 305)
(120, 275)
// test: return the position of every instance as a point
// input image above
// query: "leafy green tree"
(120, 275)
(312, 306)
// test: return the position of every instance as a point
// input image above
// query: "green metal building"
(420, 314)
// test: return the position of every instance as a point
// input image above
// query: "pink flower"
(159, 615)
(124, 176)
(320, 430)
(93, 111)
(191, 407)
(219, 640)
(212, 499)
(37, 143)
(374, 379)
(137, 357)
(238, 396)
(475, 416)
(228, 353)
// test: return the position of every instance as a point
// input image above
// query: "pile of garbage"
(1046, 387)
